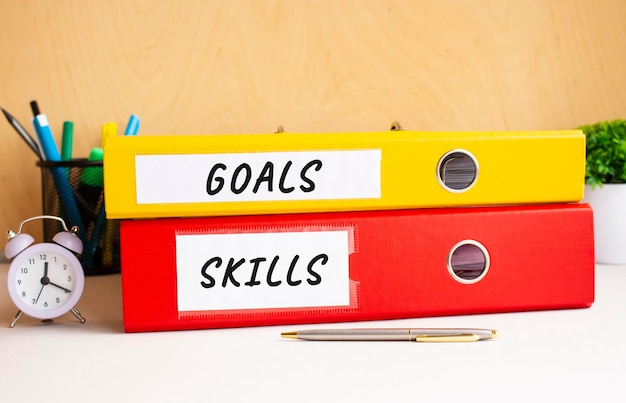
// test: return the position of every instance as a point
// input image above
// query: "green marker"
(66, 141)
(93, 176)
(89, 189)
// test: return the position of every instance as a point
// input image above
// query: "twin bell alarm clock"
(45, 280)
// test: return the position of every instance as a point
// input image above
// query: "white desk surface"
(567, 355)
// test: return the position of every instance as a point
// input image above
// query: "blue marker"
(59, 174)
(46, 139)
(133, 126)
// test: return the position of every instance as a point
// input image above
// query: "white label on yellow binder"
(262, 270)
(263, 176)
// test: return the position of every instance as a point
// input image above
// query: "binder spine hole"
(457, 171)
(468, 261)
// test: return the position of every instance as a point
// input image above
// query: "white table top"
(567, 355)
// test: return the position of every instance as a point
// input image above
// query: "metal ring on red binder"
(457, 171)
(468, 261)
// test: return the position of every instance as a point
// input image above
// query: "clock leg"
(76, 313)
(17, 317)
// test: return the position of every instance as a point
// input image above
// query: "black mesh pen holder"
(74, 191)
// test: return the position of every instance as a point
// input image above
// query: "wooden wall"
(221, 66)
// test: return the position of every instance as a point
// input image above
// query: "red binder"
(199, 273)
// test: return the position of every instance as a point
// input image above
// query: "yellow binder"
(214, 175)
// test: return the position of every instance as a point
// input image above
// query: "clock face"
(45, 280)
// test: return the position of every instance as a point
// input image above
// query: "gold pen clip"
(446, 338)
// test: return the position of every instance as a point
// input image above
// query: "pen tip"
(289, 335)
(494, 334)
(35, 108)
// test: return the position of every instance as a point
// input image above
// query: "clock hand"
(58, 286)
(44, 280)
(39, 295)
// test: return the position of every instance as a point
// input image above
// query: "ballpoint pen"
(23, 134)
(397, 334)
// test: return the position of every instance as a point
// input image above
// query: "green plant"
(606, 152)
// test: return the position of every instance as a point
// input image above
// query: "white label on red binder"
(262, 176)
(229, 271)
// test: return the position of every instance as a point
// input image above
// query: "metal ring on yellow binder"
(468, 261)
(457, 171)
(396, 126)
